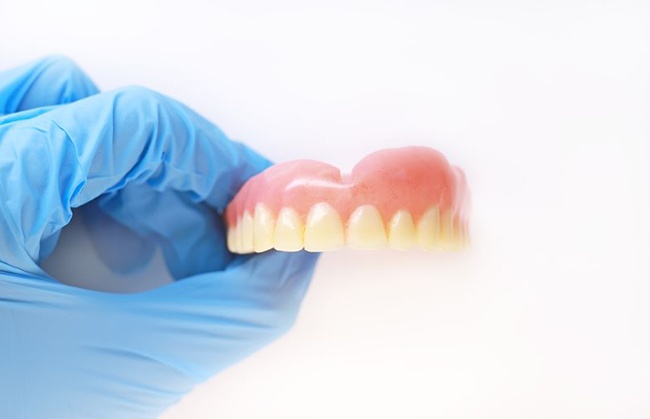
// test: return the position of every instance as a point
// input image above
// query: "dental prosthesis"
(398, 198)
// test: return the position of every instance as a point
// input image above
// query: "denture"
(399, 198)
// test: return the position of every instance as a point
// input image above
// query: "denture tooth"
(450, 238)
(288, 231)
(366, 229)
(462, 234)
(263, 226)
(237, 236)
(401, 231)
(324, 229)
(246, 232)
(465, 232)
(232, 231)
(429, 229)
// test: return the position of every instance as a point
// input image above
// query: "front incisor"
(324, 229)
(401, 231)
(288, 234)
(263, 226)
(366, 229)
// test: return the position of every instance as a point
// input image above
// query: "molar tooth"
(288, 231)
(263, 226)
(324, 229)
(237, 236)
(465, 231)
(366, 229)
(429, 229)
(232, 231)
(246, 227)
(401, 231)
(461, 232)
(450, 236)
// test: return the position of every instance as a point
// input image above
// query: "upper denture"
(400, 197)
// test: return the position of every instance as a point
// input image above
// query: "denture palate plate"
(398, 198)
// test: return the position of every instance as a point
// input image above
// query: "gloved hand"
(161, 173)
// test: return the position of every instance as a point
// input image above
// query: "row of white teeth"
(324, 230)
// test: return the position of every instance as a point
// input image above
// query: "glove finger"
(190, 235)
(202, 324)
(48, 81)
(69, 156)
(139, 353)
(90, 349)
(123, 251)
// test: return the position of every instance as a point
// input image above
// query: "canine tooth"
(288, 231)
(246, 233)
(401, 231)
(324, 229)
(429, 229)
(366, 228)
(263, 225)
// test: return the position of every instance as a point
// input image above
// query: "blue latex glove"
(161, 174)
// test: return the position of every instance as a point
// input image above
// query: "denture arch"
(399, 198)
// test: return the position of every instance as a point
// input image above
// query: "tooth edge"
(289, 231)
(246, 226)
(324, 229)
(451, 236)
(231, 239)
(365, 229)
(263, 229)
(402, 233)
(428, 229)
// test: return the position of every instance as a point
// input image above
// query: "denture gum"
(399, 198)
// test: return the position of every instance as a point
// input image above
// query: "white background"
(546, 105)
